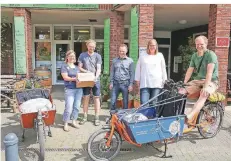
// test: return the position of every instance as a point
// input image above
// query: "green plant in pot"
(104, 82)
(136, 101)
(186, 51)
(119, 102)
(130, 100)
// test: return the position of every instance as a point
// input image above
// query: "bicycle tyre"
(41, 140)
(90, 142)
(212, 107)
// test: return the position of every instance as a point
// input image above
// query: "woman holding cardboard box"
(73, 95)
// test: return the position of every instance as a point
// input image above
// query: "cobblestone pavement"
(71, 146)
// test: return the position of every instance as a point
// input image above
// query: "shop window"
(99, 33)
(62, 33)
(42, 32)
(100, 49)
(128, 48)
(81, 34)
(42, 54)
(126, 33)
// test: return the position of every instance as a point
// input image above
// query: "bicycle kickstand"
(49, 131)
(165, 150)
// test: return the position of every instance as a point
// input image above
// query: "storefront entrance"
(60, 49)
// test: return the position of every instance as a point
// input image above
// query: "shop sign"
(134, 35)
(222, 42)
(54, 6)
(20, 45)
(106, 45)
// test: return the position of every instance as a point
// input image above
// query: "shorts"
(196, 86)
(95, 90)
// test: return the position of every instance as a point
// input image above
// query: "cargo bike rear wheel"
(210, 120)
(97, 148)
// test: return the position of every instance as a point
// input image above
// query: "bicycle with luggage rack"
(9, 85)
(37, 112)
(158, 122)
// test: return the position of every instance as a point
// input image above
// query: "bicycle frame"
(38, 122)
(116, 125)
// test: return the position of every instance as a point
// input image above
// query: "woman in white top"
(150, 72)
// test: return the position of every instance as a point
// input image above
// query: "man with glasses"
(91, 61)
(205, 65)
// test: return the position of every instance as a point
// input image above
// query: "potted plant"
(104, 81)
(119, 102)
(130, 101)
(136, 101)
(186, 51)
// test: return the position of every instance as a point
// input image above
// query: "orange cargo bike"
(38, 118)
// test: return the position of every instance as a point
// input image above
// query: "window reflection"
(42, 32)
(62, 32)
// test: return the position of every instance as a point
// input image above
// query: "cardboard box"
(85, 80)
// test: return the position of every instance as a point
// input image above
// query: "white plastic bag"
(34, 105)
(135, 117)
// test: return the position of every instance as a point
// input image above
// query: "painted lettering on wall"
(106, 45)
(64, 6)
(134, 35)
(20, 46)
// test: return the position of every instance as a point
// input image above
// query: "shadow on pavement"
(228, 129)
(127, 152)
(14, 126)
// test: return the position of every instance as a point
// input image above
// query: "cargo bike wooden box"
(38, 118)
(164, 120)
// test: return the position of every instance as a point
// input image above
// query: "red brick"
(116, 32)
(146, 23)
(219, 26)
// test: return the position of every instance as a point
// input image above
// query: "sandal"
(66, 128)
(190, 125)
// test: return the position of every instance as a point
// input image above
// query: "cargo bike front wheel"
(39, 124)
(97, 148)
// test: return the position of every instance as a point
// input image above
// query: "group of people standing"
(123, 75)
(149, 75)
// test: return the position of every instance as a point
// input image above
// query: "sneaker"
(74, 124)
(83, 121)
(97, 122)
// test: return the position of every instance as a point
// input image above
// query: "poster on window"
(43, 51)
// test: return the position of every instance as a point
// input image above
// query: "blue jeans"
(117, 88)
(73, 99)
(147, 93)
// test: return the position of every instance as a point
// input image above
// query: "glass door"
(60, 52)
(166, 53)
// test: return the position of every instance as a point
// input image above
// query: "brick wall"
(116, 32)
(146, 23)
(28, 37)
(105, 6)
(219, 26)
(7, 57)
